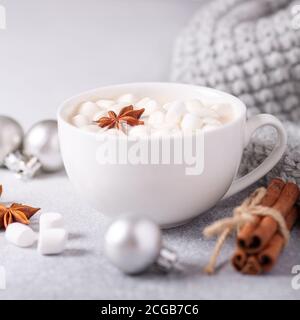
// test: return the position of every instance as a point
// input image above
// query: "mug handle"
(252, 125)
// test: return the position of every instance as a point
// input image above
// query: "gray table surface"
(83, 272)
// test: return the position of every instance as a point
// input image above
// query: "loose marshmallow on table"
(80, 120)
(20, 235)
(89, 109)
(52, 241)
(50, 220)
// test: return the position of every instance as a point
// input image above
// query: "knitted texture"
(250, 49)
(262, 144)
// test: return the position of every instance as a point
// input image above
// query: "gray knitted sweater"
(250, 48)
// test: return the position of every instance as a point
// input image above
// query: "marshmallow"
(172, 117)
(193, 104)
(52, 241)
(80, 121)
(156, 119)
(224, 110)
(127, 98)
(161, 132)
(175, 112)
(141, 103)
(99, 114)
(138, 131)
(191, 122)
(167, 106)
(117, 107)
(212, 121)
(51, 220)
(20, 235)
(211, 124)
(149, 105)
(197, 108)
(89, 109)
(105, 103)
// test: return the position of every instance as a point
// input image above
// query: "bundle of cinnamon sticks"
(260, 242)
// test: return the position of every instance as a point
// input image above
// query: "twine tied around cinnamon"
(241, 215)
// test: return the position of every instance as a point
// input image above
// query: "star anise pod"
(16, 213)
(127, 115)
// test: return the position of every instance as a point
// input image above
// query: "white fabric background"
(54, 49)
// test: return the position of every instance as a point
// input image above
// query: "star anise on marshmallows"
(127, 115)
(15, 213)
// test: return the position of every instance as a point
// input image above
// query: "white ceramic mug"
(164, 192)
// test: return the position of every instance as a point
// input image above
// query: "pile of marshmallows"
(168, 119)
(52, 238)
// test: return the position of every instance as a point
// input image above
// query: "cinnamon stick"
(239, 259)
(267, 227)
(266, 259)
(269, 255)
(252, 266)
(274, 189)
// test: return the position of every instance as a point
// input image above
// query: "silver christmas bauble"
(11, 137)
(41, 142)
(133, 244)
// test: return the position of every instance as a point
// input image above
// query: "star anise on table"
(126, 115)
(15, 213)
